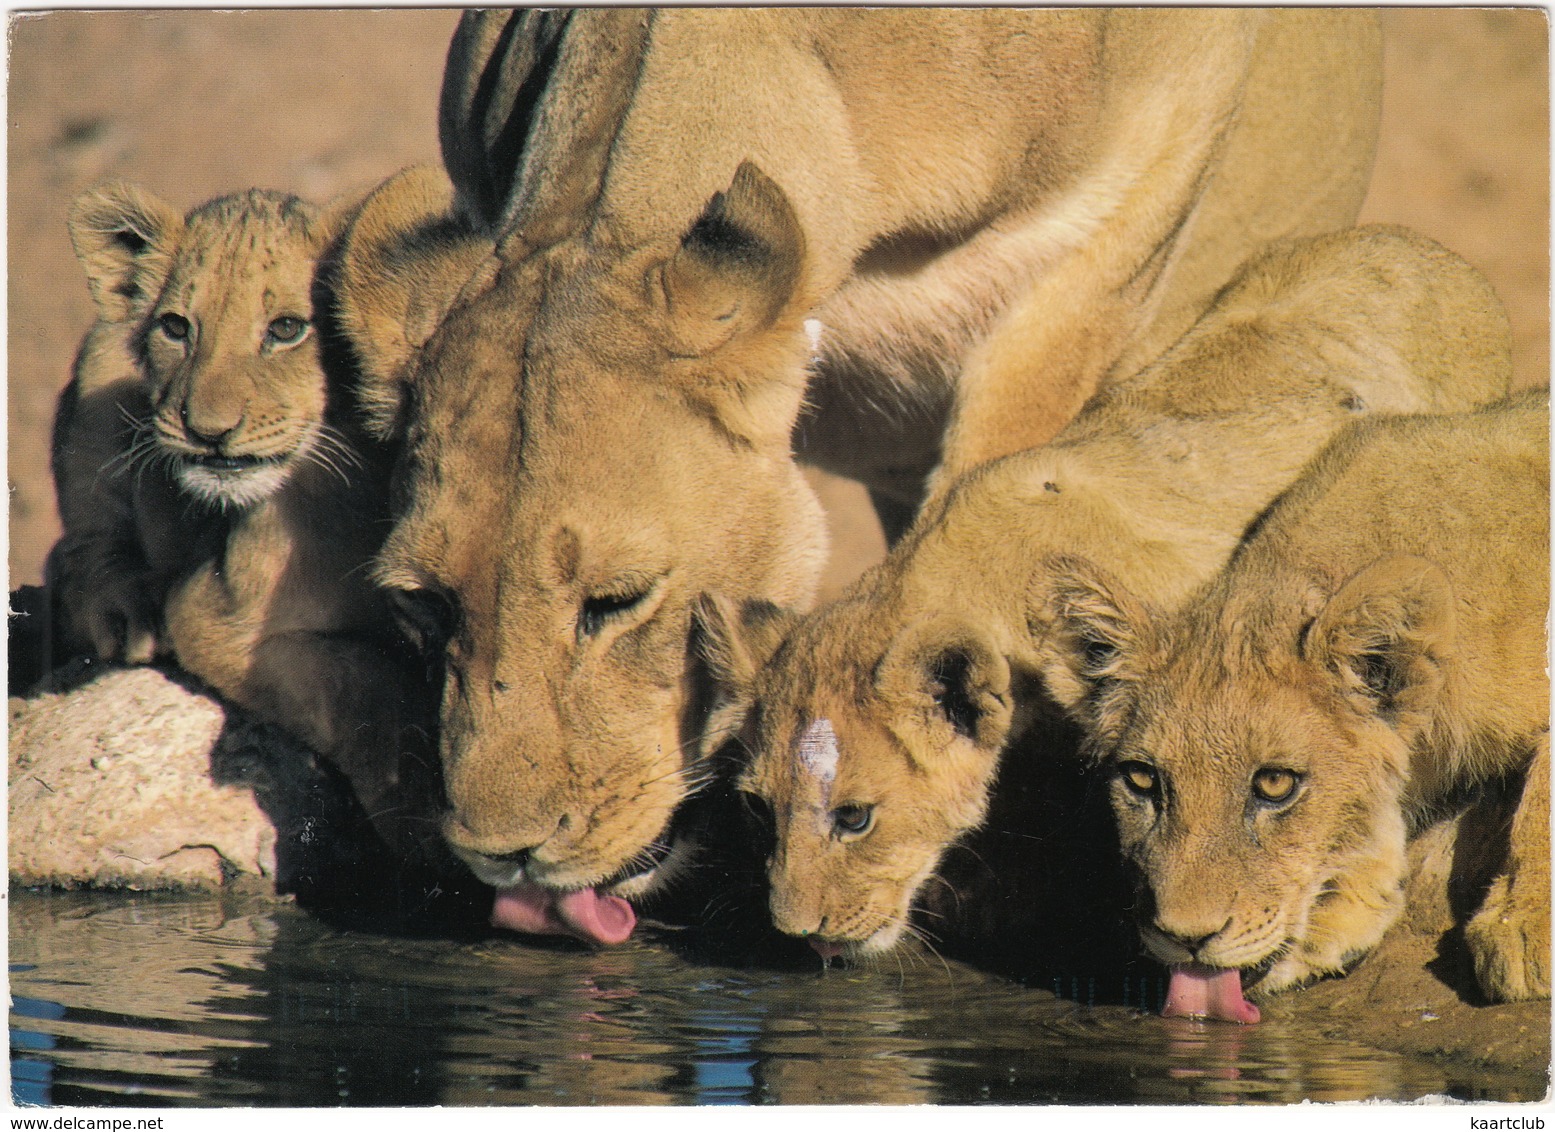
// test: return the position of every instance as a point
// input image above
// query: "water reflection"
(200, 1001)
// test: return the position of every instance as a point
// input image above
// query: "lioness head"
(870, 771)
(1258, 749)
(221, 307)
(595, 438)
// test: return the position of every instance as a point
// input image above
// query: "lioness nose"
(1187, 938)
(504, 846)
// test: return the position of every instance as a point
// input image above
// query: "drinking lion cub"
(882, 717)
(1377, 646)
(219, 501)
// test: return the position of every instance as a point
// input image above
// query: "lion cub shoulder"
(1376, 647)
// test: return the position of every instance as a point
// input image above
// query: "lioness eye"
(175, 326)
(599, 610)
(427, 617)
(1141, 778)
(1275, 784)
(853, 819)
(286, 330)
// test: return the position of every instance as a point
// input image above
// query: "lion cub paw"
(1510, 943)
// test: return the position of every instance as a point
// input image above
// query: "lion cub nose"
(210, 426)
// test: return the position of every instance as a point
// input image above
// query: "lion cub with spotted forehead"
(882, 717)
(1375, 648)
(219, 502)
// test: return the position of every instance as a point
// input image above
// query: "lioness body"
(674, 229)
(219, 502)
(1377, 647)
(942, 654)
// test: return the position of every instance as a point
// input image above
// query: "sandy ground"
(192, 105)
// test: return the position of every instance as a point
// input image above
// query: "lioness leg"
(1509, 937)
(362, 710)
(1217, 168)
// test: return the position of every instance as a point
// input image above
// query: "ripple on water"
(140, 999)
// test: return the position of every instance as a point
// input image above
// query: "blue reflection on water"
(724, 1058)
(31, 1080)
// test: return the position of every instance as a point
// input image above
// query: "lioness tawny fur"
(902, 241)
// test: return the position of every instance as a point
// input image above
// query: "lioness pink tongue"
(533, 910)
(1208, 992)
(600, 919)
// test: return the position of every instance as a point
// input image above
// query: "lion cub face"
(1259, 752)
(219, 305)
(870, 771)
(1243, 805)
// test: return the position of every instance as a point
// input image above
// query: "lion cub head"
(217, 307)
(1258, 747)
(869, 772)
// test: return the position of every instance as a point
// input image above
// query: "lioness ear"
(947, 674)
(334, 219)
(407, 259)
(1386, 638)
(125, 239)
(1082, 626)
(736, 267)
(734, 643)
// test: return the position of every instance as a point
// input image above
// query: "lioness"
(220, 502)
(1376, 646)
(676, 229)
(882, 718)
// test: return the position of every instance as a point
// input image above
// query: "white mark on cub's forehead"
(817, 753)
(813, 331)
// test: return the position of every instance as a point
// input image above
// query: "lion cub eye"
(1275, 784)
(286, 330)
(854, 821)
(1139, 777)
(174, 326)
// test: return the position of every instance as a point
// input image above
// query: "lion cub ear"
(1083, 625)
(1386, 638)
(125, 239)
(406, 260)
(736, 268)
(734, 644)
(947, 675)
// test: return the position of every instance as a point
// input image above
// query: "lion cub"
(1376, 647)
(219, 502)
(882, 717)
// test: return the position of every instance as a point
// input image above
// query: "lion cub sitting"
(219, 502)
(1376, 647)
(882, 717)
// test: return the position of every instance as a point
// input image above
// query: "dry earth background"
(195, 104)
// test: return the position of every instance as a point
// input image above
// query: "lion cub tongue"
(1208, 992)
(528, 908)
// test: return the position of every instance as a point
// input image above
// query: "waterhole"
(203, 1000)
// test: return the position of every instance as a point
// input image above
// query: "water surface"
(204, 1000)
